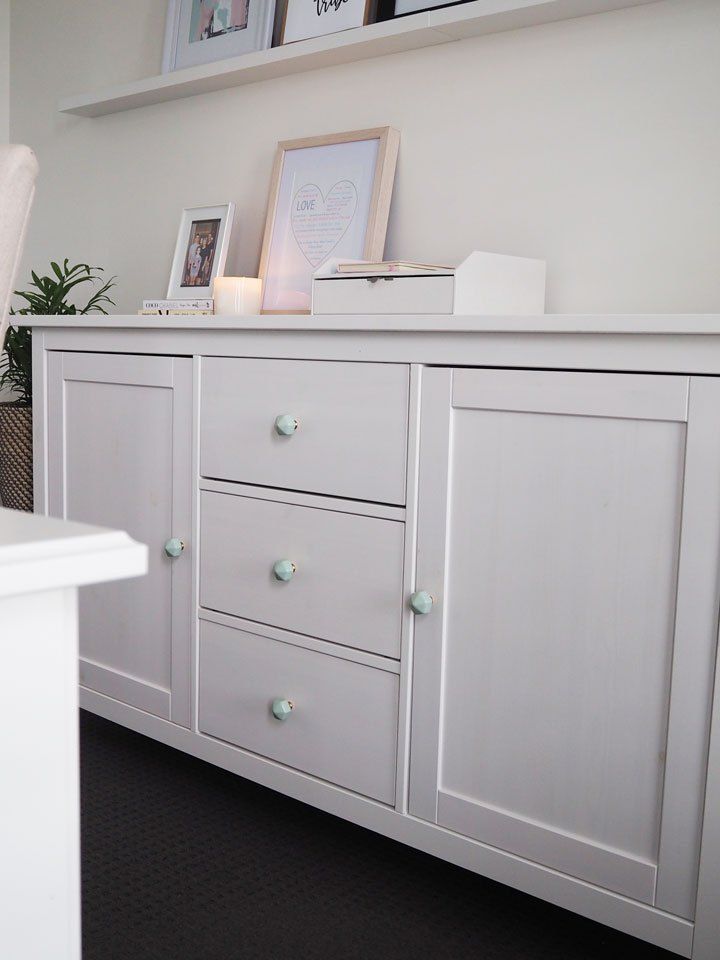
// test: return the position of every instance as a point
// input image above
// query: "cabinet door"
(119, 455)
(568, 533)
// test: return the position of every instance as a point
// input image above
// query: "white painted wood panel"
(359, 508)
(434, 462)
(416, 295)
(302, 640)
(344, 724)
(694, 654)
(563, 548)
(615, 327)
(119, 455)
(707, 917)
(570, 853)
(42, 560)
(554, 620)
(352, 435)
(40, 802)
(348, 583)
(120, 686)
(625, 395)
(650, 344)
(408, 618)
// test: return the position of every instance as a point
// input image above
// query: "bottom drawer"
(343, 727)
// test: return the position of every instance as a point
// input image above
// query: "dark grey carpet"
(182, 861)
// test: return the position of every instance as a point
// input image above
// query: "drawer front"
(343, 726)
(394, 295)
(351, 439)
(347, 586)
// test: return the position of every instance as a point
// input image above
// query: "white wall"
(4, 92)
(593, 143)
(4, 71)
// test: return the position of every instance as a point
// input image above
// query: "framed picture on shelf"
(201, 31)
(329, 196)
(303, 19)
(387, 9)
(200, 251)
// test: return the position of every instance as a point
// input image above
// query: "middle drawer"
(346, 585)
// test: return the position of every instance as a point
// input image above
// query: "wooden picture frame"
(347, 16)
(326, 198)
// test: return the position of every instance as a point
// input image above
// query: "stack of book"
(163, 308)
(398, 267)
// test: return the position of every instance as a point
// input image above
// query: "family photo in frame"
(200, 250)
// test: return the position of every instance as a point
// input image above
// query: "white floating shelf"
(363, 43)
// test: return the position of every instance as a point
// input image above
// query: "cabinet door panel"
(543, 675)
(119, 437)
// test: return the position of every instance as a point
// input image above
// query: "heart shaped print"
(320, 222)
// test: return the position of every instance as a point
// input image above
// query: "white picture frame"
(304, 19)
(181, 49)
(329, 196)
(193, 270)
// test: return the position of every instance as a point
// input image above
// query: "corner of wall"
(4, 71)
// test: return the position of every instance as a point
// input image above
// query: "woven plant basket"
(16, 461)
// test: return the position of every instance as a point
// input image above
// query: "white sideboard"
(455, 579)
(43, 561)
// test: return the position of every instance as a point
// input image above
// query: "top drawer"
(351, 436)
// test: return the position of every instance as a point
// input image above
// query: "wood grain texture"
(547, 460)
(351, 440)
(694, 652)
(119, 443)
(348, 583)
(113, 683)
(344, 724)
(546, 672)
(707, 916)
(431, 575)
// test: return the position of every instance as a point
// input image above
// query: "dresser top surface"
(657, 324)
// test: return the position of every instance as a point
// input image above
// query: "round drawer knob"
(282, 708)
(284, 570)
(174, 547)
(421, 602)
(286, 425)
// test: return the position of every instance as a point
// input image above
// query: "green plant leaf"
(49, 297)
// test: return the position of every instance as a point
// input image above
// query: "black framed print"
(304, 19)
(387, 9)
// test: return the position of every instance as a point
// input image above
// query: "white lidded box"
(484, 283)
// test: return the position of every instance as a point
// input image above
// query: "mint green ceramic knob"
(282, 708)
(284, 570)
(174, 547)
(286, 425)
(421, 602)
